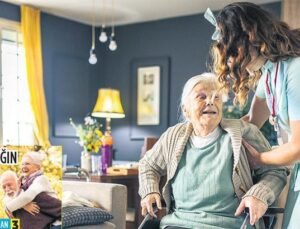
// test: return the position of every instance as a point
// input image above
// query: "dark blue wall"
(185, 40)
(9, 11)
(71, 83)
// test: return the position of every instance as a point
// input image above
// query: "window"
(15, 111)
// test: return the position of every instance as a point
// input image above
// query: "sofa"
(112, 197)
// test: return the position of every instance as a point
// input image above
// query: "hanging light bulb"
(103, 35)
(93, 57)
(112, 44)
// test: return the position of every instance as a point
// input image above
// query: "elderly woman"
(209, 180)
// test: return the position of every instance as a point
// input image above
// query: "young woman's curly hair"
(246, 27)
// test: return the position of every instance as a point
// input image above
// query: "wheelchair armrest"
(270, 211)
(269, 217)
(274, 211)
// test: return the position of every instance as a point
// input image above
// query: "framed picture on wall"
(149, 97)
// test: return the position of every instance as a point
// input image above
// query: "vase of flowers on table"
(90, 136)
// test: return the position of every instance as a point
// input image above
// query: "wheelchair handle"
(148, 216)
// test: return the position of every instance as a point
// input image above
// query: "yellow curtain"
(30, 25)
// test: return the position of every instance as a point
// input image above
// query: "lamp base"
(108, 126)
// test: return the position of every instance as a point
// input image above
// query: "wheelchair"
(269, 218)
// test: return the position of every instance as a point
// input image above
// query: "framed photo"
(149, 97)
(148, 82)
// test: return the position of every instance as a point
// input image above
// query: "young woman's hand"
(257, 208)
(246, 118)
(146, 204)
(254, 157)
(32, 208)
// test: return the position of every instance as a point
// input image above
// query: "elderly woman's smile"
(211, 111)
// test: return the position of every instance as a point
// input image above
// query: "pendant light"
(93, 57)
(112, 44)
(103, 36)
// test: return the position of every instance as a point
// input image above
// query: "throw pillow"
(74, 215)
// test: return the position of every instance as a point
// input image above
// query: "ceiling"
(122, 12)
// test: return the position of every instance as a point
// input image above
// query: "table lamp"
(108, 106)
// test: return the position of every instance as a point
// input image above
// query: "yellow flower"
(98, 144)
(89, 147)
(99, 133)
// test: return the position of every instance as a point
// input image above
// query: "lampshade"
(108, 104)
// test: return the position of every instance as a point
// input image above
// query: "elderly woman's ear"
(185, 112)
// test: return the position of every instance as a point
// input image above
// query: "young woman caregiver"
(253, 48)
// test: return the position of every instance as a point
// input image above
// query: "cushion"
(74, 215)
(72, 199)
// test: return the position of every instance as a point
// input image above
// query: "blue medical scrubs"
(287, 108)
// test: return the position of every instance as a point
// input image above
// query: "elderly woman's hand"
(257, 208)
(32, 208)
(146, 204)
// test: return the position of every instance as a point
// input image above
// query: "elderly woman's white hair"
(206, 78)
(8, 173)
(36, 157)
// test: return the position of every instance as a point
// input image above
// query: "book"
(122, 171)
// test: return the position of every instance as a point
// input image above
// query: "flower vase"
(96, 162)
(86, 162)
